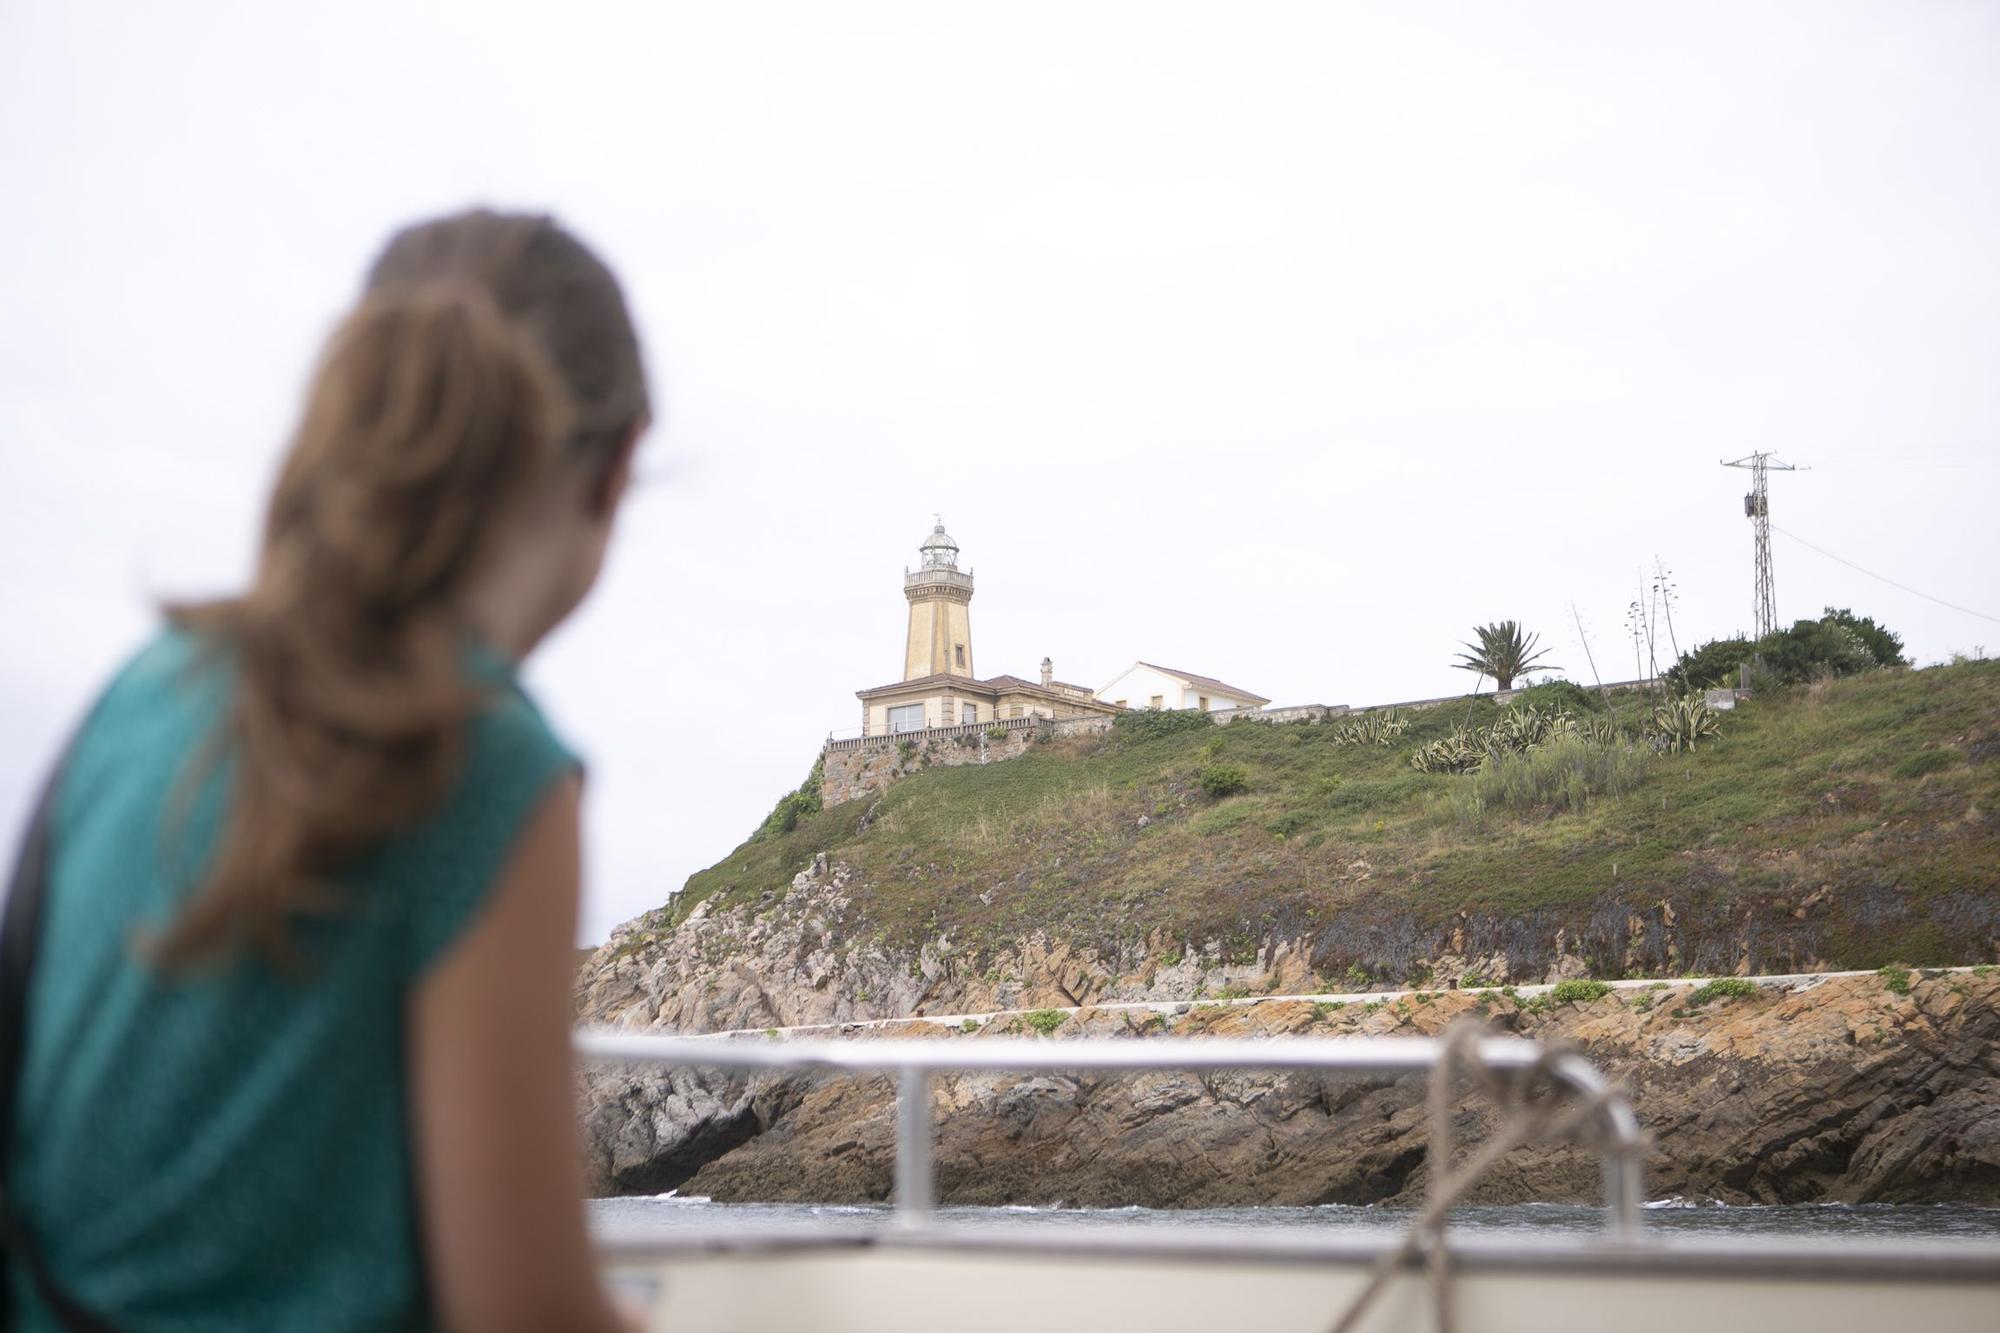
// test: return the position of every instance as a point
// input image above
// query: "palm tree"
(1503, 653)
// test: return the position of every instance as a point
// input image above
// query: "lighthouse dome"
(939, 550)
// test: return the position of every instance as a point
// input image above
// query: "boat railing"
(917, 1063)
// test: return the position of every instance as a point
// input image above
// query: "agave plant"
(1503, 652)
(1679, 723)
(1371, 729)
(1523, 728)
(1463, 751)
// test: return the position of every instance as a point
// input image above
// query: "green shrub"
(1896, 977)
(1885, 646)
(1220, 780)
(1714, 664)
(1044, 1021)
(1565, 774)
(1559, 696)
(1722, 988)
(793, 806)
(1926, 761)
(1209, 823)
(1147, 724)
(1839, 643)
(1288, 823)
(996, 732)
(969, 1025)
(1579, 990)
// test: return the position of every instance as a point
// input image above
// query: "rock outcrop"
(801, 958)
(807, 955)
(1841, 1089)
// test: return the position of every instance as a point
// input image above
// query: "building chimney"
(1048, 673)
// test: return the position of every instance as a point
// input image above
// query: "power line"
(1917, 451)
(1911, 457)
(1884, 466)
(1886, 579)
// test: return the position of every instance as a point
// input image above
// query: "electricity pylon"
(1757, 508)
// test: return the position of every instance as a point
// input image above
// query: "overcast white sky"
(1276, 342)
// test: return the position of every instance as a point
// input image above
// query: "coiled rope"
(1525, 1115)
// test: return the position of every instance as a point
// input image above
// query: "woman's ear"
(616, 474)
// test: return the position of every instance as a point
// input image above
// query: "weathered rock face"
(805, 956)
(801, 959)
(739, 968)
(1840, 1090)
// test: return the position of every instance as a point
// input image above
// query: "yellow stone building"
(939, 687)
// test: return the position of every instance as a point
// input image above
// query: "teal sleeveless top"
(233, 1151)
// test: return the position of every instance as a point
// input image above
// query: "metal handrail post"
(1621, 1191)
(916, 1181)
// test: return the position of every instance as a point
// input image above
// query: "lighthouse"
(940, 597)
(939, 688)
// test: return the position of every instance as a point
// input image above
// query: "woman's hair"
(485, 348)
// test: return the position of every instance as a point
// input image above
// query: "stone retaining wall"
(1292, 713)
(855, 767)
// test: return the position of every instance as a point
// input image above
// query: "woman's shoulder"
(508, 728)
(174, 659)
(514, 761)
(160, 693)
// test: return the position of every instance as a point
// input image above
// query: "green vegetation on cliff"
(1868, 807)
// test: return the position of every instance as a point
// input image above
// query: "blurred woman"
(297, 1040)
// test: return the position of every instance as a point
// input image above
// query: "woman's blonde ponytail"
(435, 411)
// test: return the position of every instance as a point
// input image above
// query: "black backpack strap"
(20, 932)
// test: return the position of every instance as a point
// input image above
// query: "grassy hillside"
(1869, 804)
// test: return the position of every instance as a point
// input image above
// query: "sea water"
(668, 1216)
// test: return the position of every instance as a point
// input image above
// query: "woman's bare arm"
(498, 1165)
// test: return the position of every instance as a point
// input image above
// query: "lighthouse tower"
(940, 597)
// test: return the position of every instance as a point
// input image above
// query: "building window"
(968, 714)
(910, 717)
(958, 652)
(1157, 701)
(1204, 703)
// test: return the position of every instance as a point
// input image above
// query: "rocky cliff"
(1844, 1089)
(1843, 825)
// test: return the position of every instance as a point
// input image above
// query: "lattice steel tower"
(1757, 508)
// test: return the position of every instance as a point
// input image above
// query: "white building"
(1143, 685)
